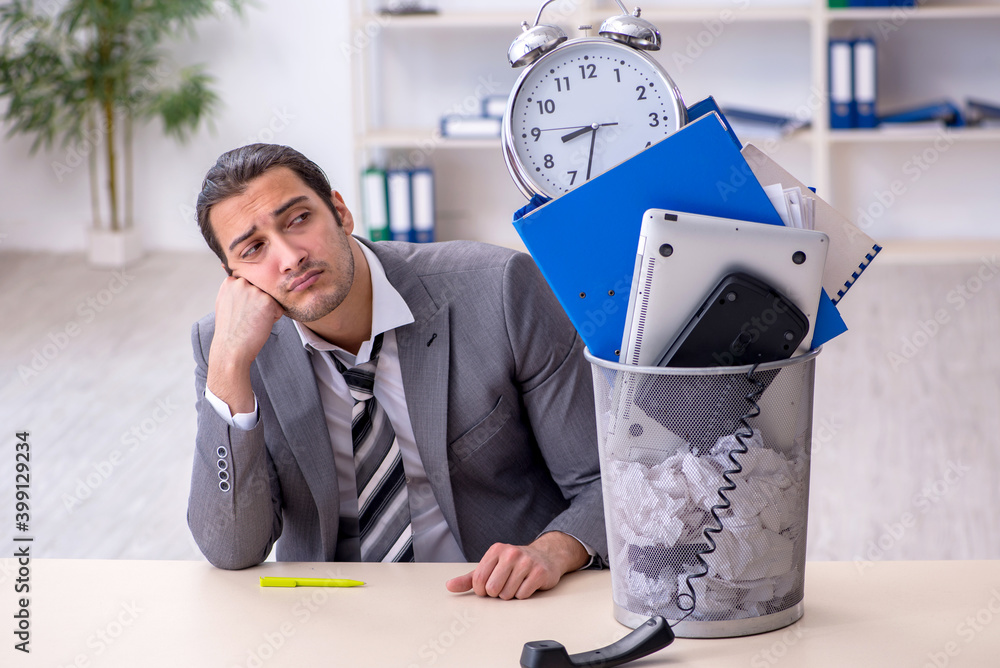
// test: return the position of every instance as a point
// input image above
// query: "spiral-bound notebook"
(851, 250)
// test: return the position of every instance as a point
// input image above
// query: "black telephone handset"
(743, 321)
(650, 637)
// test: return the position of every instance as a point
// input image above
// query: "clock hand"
(571, 127)
(583, 131)
(577, 133)
(590, 159)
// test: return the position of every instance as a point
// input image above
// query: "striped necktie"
(383, 509)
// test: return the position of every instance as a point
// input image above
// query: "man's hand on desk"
(518, 571)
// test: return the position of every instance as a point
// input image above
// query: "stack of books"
(485, 125)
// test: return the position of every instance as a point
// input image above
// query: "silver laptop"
(681, 257)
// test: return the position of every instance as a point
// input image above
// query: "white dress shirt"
(432, 538)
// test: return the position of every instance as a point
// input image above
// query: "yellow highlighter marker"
(308, 582)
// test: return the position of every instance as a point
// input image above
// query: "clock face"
(583, 108)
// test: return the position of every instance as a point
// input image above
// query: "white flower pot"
(114, 249)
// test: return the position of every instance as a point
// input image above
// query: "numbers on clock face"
(586, 108)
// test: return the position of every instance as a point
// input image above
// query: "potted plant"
(82, 73)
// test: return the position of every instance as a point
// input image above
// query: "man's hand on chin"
(518, 571)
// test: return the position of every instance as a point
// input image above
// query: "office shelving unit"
(746, 53)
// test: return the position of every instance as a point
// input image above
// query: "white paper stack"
(795, 208)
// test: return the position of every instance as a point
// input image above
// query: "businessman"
(383, 401)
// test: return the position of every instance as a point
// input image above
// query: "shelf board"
(876, 136)
(665, 16)
(513, 19)
(937, 250)
(423, 139)
(447, 20)
(801, 135)
(916, 13)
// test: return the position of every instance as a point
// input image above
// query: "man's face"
(281, 237)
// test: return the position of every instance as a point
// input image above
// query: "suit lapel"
(424, 359)
(287, 372)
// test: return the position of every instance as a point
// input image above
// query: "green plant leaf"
(183, 107)
(62, 64)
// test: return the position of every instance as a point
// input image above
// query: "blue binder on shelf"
(979, 112)
(865, 83)
(422, 197)
(842, 106)
(584, 242)
(400, 205)
(945, 111)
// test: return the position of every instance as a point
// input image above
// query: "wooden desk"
(139, 614)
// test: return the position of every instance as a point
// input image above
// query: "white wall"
(282, 78)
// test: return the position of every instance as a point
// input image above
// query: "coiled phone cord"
(743, 432)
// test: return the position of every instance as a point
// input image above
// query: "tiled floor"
(97, 366)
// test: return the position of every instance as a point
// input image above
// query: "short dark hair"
(234, 170)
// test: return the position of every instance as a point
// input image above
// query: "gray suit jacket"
(498, 392)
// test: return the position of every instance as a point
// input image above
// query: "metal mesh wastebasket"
(705, 474)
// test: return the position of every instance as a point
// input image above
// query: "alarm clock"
(584, 105)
